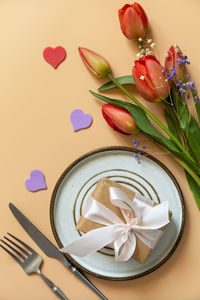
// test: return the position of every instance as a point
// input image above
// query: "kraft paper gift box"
(102, 195)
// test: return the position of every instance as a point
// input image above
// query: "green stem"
(187, 168)
(164, 128)
(141, 45)
(179, 161)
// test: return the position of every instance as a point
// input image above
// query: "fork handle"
(54, 288)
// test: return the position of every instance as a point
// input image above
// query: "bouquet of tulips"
(170, 86)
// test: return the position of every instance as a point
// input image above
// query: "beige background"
(36, 132)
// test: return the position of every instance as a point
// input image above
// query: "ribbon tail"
(93, 240)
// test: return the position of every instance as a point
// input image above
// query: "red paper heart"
(54, 56)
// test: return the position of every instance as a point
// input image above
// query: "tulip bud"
(174, 55)
(150, 80)
(119, 119)
(94, 62)
(133, 21)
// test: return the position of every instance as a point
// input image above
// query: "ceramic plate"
(151, 178)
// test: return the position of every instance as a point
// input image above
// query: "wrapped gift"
(117, 217)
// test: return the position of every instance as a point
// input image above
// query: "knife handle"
(82, 277)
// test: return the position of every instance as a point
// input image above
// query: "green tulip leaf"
(128, 79)
(194, 187)
(112, 101)
(180, 110)
(170, 122)
(184, 117)
(172, 115)
(145, 125)
(194, 137)
(174, 97)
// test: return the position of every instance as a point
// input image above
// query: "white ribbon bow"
(142, 220)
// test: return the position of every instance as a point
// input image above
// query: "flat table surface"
(36, 133)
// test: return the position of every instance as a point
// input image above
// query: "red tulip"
(94, 62)
(173, 55)
(133, 21)
(119, 119)
(149, 79)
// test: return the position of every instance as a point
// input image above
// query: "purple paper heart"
(36, 181)
(80, 120)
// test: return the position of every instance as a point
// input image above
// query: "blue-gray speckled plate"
(151, 178)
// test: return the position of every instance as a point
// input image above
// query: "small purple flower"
(137, 155)
(179, 62)
(167, 76)
(173, 73)
(187, 85)
(182, 91)
(182, 60)
(135, 144)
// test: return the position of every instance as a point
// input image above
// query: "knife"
(49, 249)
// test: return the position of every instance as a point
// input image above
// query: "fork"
(30, 261)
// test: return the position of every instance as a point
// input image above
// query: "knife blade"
(48, 247)
(45, 245)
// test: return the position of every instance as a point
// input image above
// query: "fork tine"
(15, 257)
(20, 248)
(24, 244)
(17, 252)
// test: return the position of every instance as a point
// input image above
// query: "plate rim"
(126, 149)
